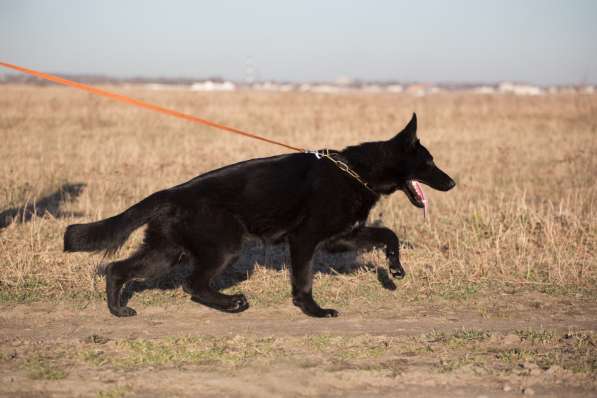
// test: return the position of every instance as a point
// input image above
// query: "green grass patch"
(30, 290)
(179, 351)
(576, 351)
(456, 339)
(116, 392)
(536, 336)
(41, 368)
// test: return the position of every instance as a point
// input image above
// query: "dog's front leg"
(301, 253)
(372, 237)
(382, 236)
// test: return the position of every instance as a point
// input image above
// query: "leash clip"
(316, 153)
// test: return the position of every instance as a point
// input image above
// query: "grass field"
(510, 253)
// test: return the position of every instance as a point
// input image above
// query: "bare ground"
(542, 345)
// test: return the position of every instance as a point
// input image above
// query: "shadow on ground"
(49, 204)
(274, 257)
(254, 252)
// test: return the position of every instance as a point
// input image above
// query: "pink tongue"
(423, 198)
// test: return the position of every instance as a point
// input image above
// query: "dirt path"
(42, 322)
(341, 358)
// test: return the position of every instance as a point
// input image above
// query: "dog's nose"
(451, 184)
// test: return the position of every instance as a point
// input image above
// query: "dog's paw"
(311, 308)
(396, 270)
(238, 303)
(321, 312)
(235, 303)
(330, 313)
(385, 280)
(123, 311)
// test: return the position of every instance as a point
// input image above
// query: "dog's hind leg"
(207, 265)
(372, 237)
(302, 247)
(213, 243)
(116, 277)
(147, 263)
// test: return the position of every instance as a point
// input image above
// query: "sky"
(536, 41)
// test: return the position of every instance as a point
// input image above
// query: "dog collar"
(325, 153)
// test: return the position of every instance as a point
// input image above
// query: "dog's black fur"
(297, 197)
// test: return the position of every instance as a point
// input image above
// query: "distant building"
(372, 88)
(395, 88)
(320, 88)
(160, 87)
(344, 81)
(213, 86)
(272, 86)
(519, 89)
(484, 90)
(421, 89)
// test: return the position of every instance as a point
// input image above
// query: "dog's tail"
(111, 233)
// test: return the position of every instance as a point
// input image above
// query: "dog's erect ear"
(408, 135)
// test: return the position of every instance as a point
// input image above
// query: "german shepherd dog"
(304, 199)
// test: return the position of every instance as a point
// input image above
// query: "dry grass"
(523, 213)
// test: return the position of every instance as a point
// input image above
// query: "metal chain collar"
(325, 153)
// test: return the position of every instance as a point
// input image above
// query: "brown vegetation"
(523, 217)
(523, 213)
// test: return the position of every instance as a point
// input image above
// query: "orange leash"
(146, 105)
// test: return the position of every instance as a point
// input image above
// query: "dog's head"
(413, 162)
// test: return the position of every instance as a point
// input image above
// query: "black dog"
(306, 199)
